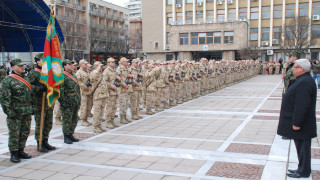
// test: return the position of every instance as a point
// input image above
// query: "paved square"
(228, 134)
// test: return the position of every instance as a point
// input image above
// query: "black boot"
(47, 145)
(67, 139)
(15, 157)
(24, 155)
(73, 139)
(43, 149)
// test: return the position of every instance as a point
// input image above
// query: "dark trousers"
(303, 147)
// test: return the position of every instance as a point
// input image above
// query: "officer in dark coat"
(298, 116)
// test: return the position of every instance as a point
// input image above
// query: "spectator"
(298, 116)
(316, 71)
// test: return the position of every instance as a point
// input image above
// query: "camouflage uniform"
(289, 78)
(57, 113)
(16, 100)
(3, 74)
(151, 89)
(160, 84)
(135, 96)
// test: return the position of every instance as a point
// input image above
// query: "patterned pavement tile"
(31, 150)
(315, 175)
(236, 170)
(268, 111)
(81, 136)
(265, 117)
(249, 148)
(315, 153)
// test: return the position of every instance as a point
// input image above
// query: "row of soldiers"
(271, 67)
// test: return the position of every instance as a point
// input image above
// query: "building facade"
(92, 28)
(135, 11)
(220, 29)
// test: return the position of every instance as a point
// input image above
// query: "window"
(316, 8)
(220, 14)
(265, 34)
(228, 37)
(254, 34)
(315, 31)
(168, 38)
(243, 13)
(169, 2)
(194, 37)
(184, 39)
(290, 10)
(210, 15)
(189, 17)
(266, 12)
(289, 33)
(232, 14)
(276, 56)
(210, 38)
(189, 1)
(217, 37)
(276, 32)
(199, 15)
(199, 1)
(178, 1)
(179, 17)
(209, 1)
(303, 9)
(277, 11)
(202, 38)
(303, 32)
(254, 13)
(169, 18)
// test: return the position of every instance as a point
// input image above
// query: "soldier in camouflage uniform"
(151, 87)
(69, 102)
(3, 73)
(37, 90)
(137, 88)
(15, 99)
(90, 98)
(289, 77)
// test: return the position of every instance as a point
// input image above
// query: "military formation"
(105, 89)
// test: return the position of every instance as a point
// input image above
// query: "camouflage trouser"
(47, 122)
(178, 91)
(149, 100)
(69, 119)
(172, 92)
(124, 103)
(98, 105)
(19, 129)
(185, 89)
(166, 94)
(189, 89)
(111, 109)
(159, 96)
(134, 102)
(56, 110)
(84, 107)
(144, 91)
(90, 104)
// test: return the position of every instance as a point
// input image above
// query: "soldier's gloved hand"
(64, 105)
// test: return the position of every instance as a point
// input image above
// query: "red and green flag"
(52, 72)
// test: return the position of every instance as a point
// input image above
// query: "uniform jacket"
(134, 73)
(69, 93)
(123, 72)
(298, 108)
(83, 77)
(99, 85)
(110, 76)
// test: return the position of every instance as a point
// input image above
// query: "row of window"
(206, 38)
(254, 12)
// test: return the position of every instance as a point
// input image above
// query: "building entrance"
(216, 55)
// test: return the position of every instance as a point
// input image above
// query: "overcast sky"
(117, 2)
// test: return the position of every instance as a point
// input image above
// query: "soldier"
(90, 98)
(125, 89)
(69, 102)
(100, 94)
(3, 73)
(289, 77)
(113, 82)
(75, 67)
(160, 84)
(37, 90)
(151, 87)
(167, 82)
(85, 89)
(278, 65)
(137, 88)
(173, 83)
(16, 100)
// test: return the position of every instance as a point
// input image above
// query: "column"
(237, 9)
(164, 35)
(204, 11)
(194, 12)
(174, 19)
(271, 23)
(283, 20)
(215, 11)
(183, 11)
(259, 25)
(226, 10)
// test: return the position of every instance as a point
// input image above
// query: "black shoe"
(73, 139)
(285, 138)
(47, 145)
(67, 139)
(15, 157)
(42, 149)
(292, 171)
(23, 155)
(297, 175)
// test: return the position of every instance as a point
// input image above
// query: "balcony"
(70, 5)
(97, 13)
(208, 21)
(94, 25)
(80, 21)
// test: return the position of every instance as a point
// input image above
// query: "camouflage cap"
(110, 60)
(74, 62)
(97, 63)
(16, 62)
(135, 60)
(123, 59)
(295, 54)
(82, 61)
(67, 61)
(38, 56)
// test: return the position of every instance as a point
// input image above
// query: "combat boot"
(23, 155)
(113, 123)
(47, 145)
(90, 114)
(158, 109)
(15, 157)
(123, 120)
(42, 149)
(128, 120)
(140, 117)
(135, 117)
(73, 139)
(109, 125)
(86, 123)
(58, 121)
(67, 139)
(149, 112)
(179, 101)
(166, 105)
(96, 129)
(102, 129)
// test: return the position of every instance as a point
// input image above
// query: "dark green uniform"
(3, 74)
(37, 91)
(70, 104)
(290, 78)
(15, 100)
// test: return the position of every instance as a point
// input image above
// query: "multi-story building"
(134, 7)
(219, 29)
(93, 29)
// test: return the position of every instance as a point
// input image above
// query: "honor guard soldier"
(37, 90)
(69, 103)
(289, 77)
(16, 100)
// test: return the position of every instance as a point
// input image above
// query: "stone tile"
(117, 162)
(98, 172)
(17, 172)
(266, 117)
(95, 160)
(127, 157)
(81, 136)
(63, 176)
(139, 164)
(150, 159)
(315, 175)
(162, 167)
(58, 156)
(236, 170)
(122, 175)
(35, 165)
(175, 178)
(315, 153)
(76, 170)
(167, 160)
(70, 151)
(39, 174)
(88, 153)
(248, 148)
(56, 167)
(209, 146)
(148, 176)
(76, 158)
(87, 177)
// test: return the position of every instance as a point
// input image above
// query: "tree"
(94, 39)
(296, 35)
(248, 53)
(136, 42)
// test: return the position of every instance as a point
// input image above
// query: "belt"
(72, 94)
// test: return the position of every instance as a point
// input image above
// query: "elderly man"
(297, 116)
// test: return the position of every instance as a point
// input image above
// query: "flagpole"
(41, 121)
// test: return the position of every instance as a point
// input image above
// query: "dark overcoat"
(299, 108)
